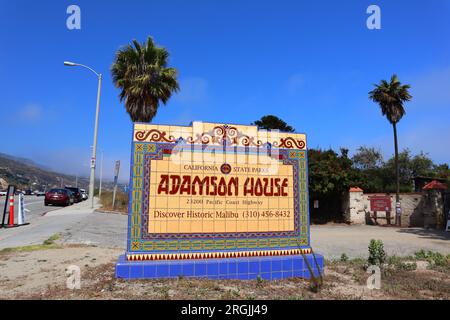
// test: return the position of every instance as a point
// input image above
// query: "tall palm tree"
(141, 72)
(391, 97)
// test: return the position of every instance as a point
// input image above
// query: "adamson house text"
(215, 186)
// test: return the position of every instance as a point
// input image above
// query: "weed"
(344, 257)
(377, 255)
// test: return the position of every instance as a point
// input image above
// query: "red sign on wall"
(380, 203)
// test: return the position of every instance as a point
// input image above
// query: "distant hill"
(26, 174)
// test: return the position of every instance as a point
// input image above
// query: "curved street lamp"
(94, 148)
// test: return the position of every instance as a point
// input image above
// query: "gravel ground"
(333, 240)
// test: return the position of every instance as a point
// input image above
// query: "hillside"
(25, 174)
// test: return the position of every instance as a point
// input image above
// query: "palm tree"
(141, 72)
(391, 96)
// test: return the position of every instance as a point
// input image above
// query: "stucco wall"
(358, 209)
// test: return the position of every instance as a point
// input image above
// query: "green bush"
(344, 257)
(377, 255)
(434, 258)
(407, 266)
(421, 255)
(399, 263)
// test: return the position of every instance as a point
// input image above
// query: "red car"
(59, 197)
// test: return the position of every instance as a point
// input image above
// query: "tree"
(410, 167)
(141, 72)
(330, 176)
(271, 122)
(367, 158)
(391, 97)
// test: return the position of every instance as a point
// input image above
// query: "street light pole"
(97, 111)
(101, 177)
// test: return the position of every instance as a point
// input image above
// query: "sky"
(312, 63)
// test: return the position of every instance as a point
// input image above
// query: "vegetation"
(47, 244)
(271, 122)
(121, 203)
(145, 80)
(375, 175)
(377, 255)
(391, 97)
(332, 173)
(344, 257)
(436, 259)
(25, 174)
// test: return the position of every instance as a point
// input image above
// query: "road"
(79, 224)
(34, 205)
(44, 223)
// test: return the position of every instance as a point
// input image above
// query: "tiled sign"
(217, 191)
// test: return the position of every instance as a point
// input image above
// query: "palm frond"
(391, 97)
(141, 72)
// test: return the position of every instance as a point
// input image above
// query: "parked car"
(84, 195)
(77, 193)
(3, 193)
(28, 192)
(59, 197)
(39, 193)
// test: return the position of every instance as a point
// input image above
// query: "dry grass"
(121, 204)
(46, 245)
(343, 280)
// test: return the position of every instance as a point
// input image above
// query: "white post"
(101, 177)
(21, 212)
(116, 177)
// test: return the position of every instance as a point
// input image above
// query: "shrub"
(434, 258)
(377, 255)
(121, 204)
(421, 255)
(407, 266)
(344, 257)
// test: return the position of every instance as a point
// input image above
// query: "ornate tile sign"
(216, 191)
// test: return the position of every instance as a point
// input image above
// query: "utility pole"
(116, 178)
(101, 177)
(97, 111)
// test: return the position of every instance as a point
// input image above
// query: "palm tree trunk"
(397, 176)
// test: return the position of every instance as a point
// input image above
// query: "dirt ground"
(41, 274)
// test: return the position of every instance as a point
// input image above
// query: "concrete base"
(268, 268)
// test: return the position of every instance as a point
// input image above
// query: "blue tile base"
(268, 268)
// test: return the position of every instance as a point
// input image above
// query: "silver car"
(84, 195)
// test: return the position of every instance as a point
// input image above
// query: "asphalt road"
(79, 224)
(34, 206)
(45, 222)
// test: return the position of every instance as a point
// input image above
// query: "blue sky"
(311, 63)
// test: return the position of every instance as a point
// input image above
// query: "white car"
(84, 195)
(3, 193)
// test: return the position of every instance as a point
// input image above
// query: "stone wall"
(416, 209)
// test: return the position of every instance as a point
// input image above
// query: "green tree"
(391, 97)
(410, 167)
(442, 171)
(330, 172)
(271, 122)
(330, 176)
(145, 80)
(367, 158)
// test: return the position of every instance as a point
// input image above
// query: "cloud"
(30, 113)
(192, 90)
